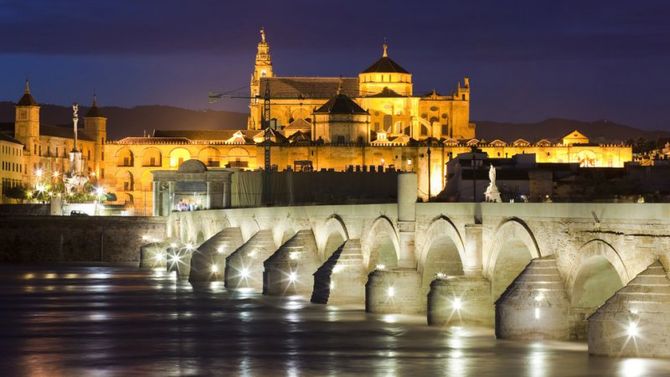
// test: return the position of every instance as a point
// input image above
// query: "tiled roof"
(27, 100)
(94, 112)
(309, 87)
(299, 124)
(341, 104)
(197, 134)
(9, 138)
(64, 132)
(151, 140)
(385, 65)
(386, 92)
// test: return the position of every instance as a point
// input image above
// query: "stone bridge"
(532, 270)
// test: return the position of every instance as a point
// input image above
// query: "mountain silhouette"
(137, 120)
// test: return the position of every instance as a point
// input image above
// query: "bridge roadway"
(593, 271)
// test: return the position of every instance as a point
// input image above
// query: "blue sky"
(527, 60)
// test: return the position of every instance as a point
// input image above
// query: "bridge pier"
(178, 259)
(341, 279)
(472, 260)
(634, 322)
(396, 291)
(535, 305)
(209, 260)
(460, 300)
(244, 267)
(154, 255)
(289, 271)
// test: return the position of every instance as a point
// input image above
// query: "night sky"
(527, 60)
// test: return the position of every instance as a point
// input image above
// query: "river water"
(120, 321)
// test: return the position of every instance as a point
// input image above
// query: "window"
(102, 173)
(340, 139)
(445, 129)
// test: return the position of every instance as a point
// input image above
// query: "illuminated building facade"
(45, 149)
(365, 123)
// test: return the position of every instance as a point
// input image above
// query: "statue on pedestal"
(492, 193)
(76, 180)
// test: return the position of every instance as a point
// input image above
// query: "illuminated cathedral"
(369, 122)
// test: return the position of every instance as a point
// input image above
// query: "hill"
(134, 121)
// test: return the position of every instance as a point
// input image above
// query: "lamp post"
(475, 165)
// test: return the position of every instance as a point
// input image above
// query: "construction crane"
(267, 135)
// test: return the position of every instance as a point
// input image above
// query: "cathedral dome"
(385, 65)
(341, 104)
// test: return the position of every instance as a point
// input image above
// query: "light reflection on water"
(67, 321)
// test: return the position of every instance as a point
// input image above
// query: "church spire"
(27, 98)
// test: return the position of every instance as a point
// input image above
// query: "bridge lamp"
(159, 257)
(189, 246)
(55, 174)
(214, 269)
(292, 277)
(293, 255)
(174, 259)
(632, 329)
(332, 285)
(337, 269)
(390, 291)
(219, 249)
(380, 267)
(252, 254)
(173, 245)
(39, 173)
(457, 304)
(244, 273)
(539, 297)
(441, 275)
(537, 313)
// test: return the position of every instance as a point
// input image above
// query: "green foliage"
(16, 192)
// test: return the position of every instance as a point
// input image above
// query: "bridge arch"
(442, 252)
(331, 235)
(597, 273)
(513, 246)
(381, 245)
(248, 226)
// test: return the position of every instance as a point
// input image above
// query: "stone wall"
(41, 239)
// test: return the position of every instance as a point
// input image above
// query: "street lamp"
(476, 162)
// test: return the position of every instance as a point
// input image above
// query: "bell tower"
(95, 127)
(262, 69)
(263, 65)
(27, 121)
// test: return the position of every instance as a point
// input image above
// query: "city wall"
(41, 239)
